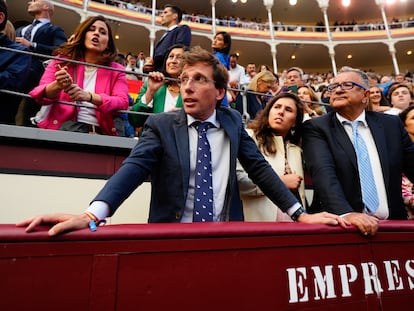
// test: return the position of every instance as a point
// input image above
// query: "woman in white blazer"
(277, 131)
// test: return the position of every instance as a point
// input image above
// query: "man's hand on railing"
(61, 223)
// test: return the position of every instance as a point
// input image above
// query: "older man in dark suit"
(191, 156)
(170, 18)
(356, 157)
(39, 37)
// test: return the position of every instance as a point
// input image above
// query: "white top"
(237, 74)
(258, 207)
(88, 115)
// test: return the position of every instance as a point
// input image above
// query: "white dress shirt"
(382, 212)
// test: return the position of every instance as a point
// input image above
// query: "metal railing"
(242, 89)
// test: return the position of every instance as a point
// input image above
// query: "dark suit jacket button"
(178, 216)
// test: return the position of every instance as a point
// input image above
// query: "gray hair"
(298, 70)
(360, 73)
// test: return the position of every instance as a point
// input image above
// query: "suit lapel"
(182, 144)
(39, 31)
(227, 124)
(342, 138)
(378, 133)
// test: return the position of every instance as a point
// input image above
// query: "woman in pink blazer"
(101, 92)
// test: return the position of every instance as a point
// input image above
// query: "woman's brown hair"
(75, 48)
(264, 133)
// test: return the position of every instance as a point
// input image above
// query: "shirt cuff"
(144, 101)
(100, 209)
(291, 210)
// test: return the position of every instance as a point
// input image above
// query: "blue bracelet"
(92, 225)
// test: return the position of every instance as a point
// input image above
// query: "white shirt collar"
(172, 27)
(44, 20)
(360, 118)
(212, 119)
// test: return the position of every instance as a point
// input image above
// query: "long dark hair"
(75, 48)
(264, 133)
(227, 42)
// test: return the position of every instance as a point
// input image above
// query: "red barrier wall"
(220, 266)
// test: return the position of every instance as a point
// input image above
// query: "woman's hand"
(61, 223)
(76, 93)
(62, 77)
(155, 81)
(292, 181)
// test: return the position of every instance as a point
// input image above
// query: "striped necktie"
(28, 33)
(368, 187)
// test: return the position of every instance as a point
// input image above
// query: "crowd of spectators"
(257, 23)
(314, 81)
(193, 85)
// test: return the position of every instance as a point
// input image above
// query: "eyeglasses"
(197, 80)
(345, 86)
(178, 57)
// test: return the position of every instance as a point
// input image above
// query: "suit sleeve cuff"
(291, 210)
(99, 208)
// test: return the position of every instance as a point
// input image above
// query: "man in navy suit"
(39, 37)
(13, 71)
(170, 18)
(332, 161)
(167, 152)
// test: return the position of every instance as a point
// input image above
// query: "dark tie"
(369, 190)
(203, 191)
(164, 35)
(29, 30)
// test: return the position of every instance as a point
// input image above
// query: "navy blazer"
(48, 37)
(254, 105)
(331, 160)
(180, 34)
(13, 75)
(163, 153)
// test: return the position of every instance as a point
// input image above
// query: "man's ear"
(176, 17)
(366, 99)
(220, 94)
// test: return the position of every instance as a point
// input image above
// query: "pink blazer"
(110, 85)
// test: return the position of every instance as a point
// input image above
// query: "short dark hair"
(176, 10)
(395, 86)
(3, 9)
(199, 55)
